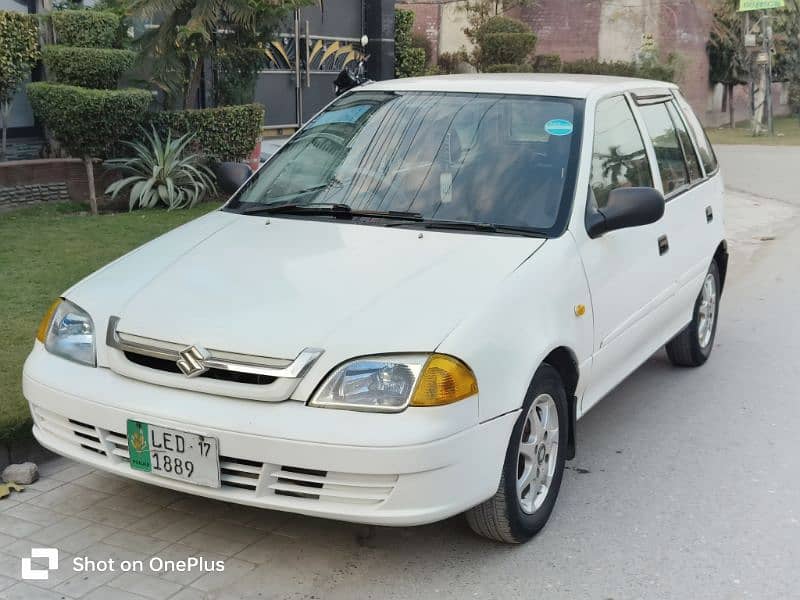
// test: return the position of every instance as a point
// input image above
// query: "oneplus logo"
(28, 572)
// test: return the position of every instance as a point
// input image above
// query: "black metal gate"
(304, 61)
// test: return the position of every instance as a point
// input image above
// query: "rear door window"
(689, 153)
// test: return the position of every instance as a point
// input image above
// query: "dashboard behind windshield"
(506, 160)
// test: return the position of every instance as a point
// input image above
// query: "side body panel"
(532, 314)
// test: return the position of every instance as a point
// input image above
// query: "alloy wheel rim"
(538, 450)
(708, 311)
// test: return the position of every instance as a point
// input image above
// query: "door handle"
(663, 245)
(709, 214)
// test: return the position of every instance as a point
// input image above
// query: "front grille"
(170, 366)
(239, 477)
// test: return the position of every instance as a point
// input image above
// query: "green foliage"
(510, 68)
(192, 31)
(228, 133)
(420, 40)
(618, 68)
(409, 60)
(502, 40)
(237, 73)
(19, 51)
(98, 68)
(449, 62)
(479, 12)
(507, 48)
(86, 28)
(163, 172)
(88, 123)
(547, 63)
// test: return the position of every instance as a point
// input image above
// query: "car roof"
(534, 84)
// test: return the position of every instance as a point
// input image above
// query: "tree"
(480, 11)
(19, 51)
(192, 31)
(727, 53)
(503, 43)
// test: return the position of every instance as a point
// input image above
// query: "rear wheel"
(692, 346)
(533, 468)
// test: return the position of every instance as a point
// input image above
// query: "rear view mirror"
(231, 175)
(626, 207)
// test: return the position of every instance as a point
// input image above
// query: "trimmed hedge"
(547, 63)
(19, 50)
(591, 66)
(227, 133)
(98, 68)
(88, 123)
(507, 48)
(86, 28)
(510, 68)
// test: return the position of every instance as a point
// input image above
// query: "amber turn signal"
(444, 380)
(41, 333)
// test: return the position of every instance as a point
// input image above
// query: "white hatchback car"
(402, 314)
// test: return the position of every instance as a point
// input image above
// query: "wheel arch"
(563, 360)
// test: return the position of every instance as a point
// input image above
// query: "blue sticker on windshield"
(559, 127)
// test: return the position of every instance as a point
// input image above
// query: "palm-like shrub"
(163, 172)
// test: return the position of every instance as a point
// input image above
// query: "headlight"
(391, 383)
(67, 331)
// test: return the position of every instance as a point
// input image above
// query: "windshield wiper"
(480, 227)
(336, 210)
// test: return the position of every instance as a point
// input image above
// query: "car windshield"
(503, 160)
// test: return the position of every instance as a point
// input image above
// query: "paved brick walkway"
(90, 514)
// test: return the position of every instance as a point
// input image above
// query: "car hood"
(273, 287)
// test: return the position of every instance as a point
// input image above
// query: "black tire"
(686, 349)
(502, 517)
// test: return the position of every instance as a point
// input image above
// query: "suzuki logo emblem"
(191, 361)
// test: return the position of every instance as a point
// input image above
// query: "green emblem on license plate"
(139, 446)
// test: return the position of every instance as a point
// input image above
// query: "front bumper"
(416, 467)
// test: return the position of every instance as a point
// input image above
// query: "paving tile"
(81, 584)
(44, 484)
(72, 472)
(203, 507)
(236, 533)
(235, 569)
(109, 593)
(26, 591)
(69, 499)
(167, 524)
(6, 540)
(267, 520)
(107, 516)
(146, 585)
(190, 594)
(153, 494)
(6, 582)
(322, 532)
(35, 514)
(104, 482)
(16, 527)
(54, 465)
(9, 565)
(7, 503)
(135, 542)
(129, 506)
(68, 526)
(26, 494)
(84, 538)
(103, 551)
(206, 542)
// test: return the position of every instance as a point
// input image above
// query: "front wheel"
(533, 468)
(692, 346)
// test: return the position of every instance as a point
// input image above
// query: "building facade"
(607, 30)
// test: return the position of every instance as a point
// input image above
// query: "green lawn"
(43, 250)
(787, 133)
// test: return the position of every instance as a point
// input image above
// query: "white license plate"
(174, 454)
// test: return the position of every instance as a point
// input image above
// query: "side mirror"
(231, 175)
(626, 207)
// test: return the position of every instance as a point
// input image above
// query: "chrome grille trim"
(243, 363)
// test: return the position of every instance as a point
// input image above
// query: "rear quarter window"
(704, 148)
